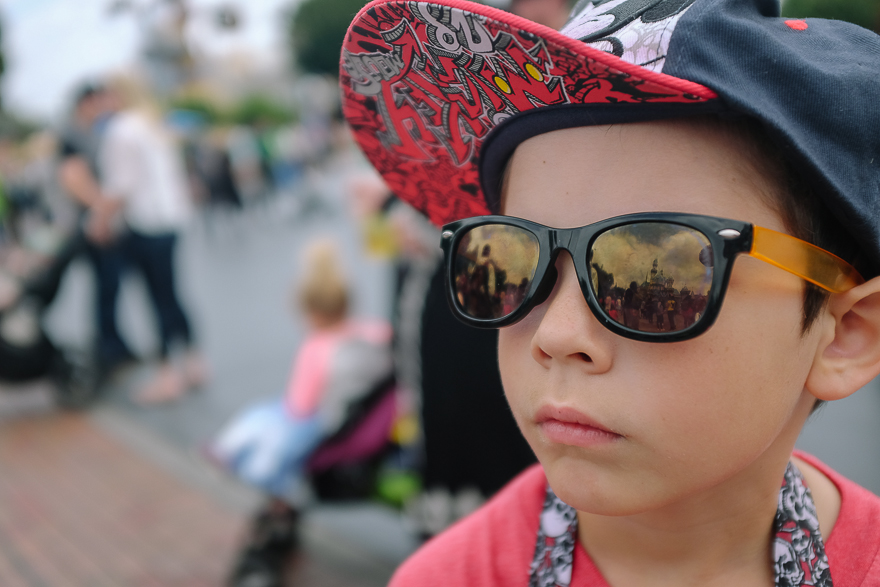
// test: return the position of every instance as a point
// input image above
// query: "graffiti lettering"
(446, 81)
(453, 30)
(369, 70)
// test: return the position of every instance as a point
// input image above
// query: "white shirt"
(140, 164)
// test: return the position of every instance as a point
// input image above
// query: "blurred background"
(126, 353)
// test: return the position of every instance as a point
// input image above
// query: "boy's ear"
(848, 354)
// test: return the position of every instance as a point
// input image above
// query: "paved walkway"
(95, 499)
(77, 508)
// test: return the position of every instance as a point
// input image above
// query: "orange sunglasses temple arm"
(805, 260)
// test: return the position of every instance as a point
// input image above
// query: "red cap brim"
(423, 84)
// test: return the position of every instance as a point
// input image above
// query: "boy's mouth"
(564, 425)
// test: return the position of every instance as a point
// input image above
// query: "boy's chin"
(614, 489)
(595, 489)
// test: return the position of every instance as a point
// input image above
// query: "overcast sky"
(52, 45)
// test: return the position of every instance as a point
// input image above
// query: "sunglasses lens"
(652, 276)
(493, 269)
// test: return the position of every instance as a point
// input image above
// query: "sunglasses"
(658, 277)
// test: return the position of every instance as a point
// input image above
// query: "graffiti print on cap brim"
(424, 83)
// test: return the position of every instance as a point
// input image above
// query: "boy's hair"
(324, 291)
(793, 198)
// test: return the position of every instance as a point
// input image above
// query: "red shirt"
(495, 545)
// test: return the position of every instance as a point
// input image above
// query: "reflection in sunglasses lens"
(652, 276)
(493, 270)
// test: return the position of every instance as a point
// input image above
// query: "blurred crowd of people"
(117, 185)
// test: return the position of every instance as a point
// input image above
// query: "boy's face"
(685, 418)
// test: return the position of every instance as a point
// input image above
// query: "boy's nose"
(568, 333)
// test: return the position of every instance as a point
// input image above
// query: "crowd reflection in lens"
(494, 267)
(652, 277)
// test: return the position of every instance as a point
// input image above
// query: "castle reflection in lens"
(652, 276)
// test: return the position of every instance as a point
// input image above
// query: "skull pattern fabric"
(798, 549)
(554, 552)
(799, 558)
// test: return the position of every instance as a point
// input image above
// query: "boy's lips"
(565, 425)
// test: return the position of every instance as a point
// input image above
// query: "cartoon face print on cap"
(637, 31)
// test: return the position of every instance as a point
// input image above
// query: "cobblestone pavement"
(94, 500)
(79, 509)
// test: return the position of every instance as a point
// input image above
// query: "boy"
(620, 150)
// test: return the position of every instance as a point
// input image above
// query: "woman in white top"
(142, 168)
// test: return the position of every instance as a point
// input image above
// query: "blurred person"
(285, 146)
(551, 13)
(40, 173)
(466, 457)
(144, 175)
(79, 175)
(214, 168)
(44, 237)
(268, 445)
(245, 159)
(45, 222)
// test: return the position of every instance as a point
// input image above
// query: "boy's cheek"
(523, 379)
(513, 354)
(680, 404)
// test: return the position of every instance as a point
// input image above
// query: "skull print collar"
(798, 553)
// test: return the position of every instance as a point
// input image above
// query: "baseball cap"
(440, 94)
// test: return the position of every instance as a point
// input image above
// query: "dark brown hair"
(792, 197)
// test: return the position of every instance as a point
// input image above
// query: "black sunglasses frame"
(728, 238)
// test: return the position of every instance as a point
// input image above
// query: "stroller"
(345, 466)
(33, 259)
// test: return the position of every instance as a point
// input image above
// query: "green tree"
(865, 13)
(259, 109)
(208, 110)
(316, 30)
